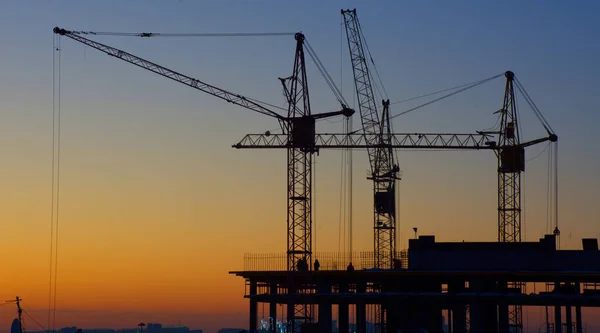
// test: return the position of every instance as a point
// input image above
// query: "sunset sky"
(155, 205)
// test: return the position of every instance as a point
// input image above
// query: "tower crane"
(384, 170)
(511, 162)
(298, 127)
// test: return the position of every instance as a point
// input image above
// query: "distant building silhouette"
(150, 328)
(232, 330)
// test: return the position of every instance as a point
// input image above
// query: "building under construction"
(471, 284)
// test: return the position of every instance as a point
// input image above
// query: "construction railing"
(328, 261)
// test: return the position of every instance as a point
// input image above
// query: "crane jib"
(171, 74)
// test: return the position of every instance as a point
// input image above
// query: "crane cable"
(534, 107)
(472, 85)
(556, 189)
(54, 218)
(549, 188)
(35, 321)
(342, 207)
(350, 181)
(159, 34)
(338, 95)
(314, 205)
(360, 31)
(342, 171)
(433, 93)
(54, 42)
(552, 191)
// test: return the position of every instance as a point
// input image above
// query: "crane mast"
(299, 176)
(299, 219)
(511, 162)
(384, 172)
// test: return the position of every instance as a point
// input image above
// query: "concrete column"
(273, 310)
(459, 315)
(290, 321)
(569, 319)
(557, 319)
(578, 321)
(343, 313)
(324, 325)
(503, 324)
(361, 311)
(253, 307)
(483, 312)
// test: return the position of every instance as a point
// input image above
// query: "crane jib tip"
(59, 31)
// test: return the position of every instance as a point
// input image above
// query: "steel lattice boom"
(397, 140)
(384, 171)
(171, 74)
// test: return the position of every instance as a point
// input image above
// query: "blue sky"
(123, 126)
(419, 46)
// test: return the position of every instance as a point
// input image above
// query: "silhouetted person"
(317, 265)
(350, 268)
(302, 265)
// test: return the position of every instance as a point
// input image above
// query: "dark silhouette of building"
(442, 280)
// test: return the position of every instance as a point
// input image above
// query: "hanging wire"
(524, 205)
(495, 127)
(342, 200)
(341, 54)
(548, 192)
(539, 154)
(343, 152)
(350, 180)
(556, 185)
(55, 197)
(398, 230)
(396, 161)
(35, 321)
(54, 43)
(448, 95)
(314, 205)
